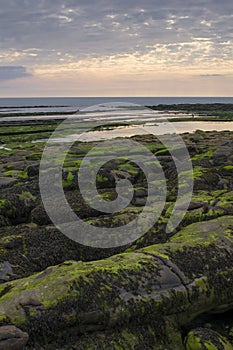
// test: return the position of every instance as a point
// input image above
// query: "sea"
(108, 109)
(83, 102)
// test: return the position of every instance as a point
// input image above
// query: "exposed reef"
(165, 290)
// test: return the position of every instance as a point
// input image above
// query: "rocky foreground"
(163, 291)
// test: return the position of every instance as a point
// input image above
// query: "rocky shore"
(169, 291)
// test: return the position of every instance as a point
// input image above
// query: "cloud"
(54, 38)
(85, 28)
(212, 75)
(13, 72)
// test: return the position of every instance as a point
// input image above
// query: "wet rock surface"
(160, 292)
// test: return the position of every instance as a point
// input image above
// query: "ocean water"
(107, 110)
(83, 102)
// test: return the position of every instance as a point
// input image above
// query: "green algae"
(120, 288)
(204, 233)
(2, 203)
(53, 285)
(68, 182)
(26, 197)
(205, 339)
(204, 155)
(7, 209)
(22, 174)
(228, 167)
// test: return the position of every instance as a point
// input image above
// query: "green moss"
(9, 172)
(208, 196)
(55, 284)
(198, 171)
(69, 180)
(26, 197)
(7, 208)
(22, 174)
(100, 178)
(205, 339)
(204, 154)
(201, 233)
(209, 346)
(161, 152)
(32, 313)
(193, 342)
(70, 177)
(34, 156)
(129, 168)
(124, 287)
(18, 184)
(8, 239)
(2, 203)
(202, 285)
(201, 214)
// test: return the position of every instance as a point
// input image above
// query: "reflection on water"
(140, 120)
(157, 129)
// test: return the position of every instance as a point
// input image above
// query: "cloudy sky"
(116, 48)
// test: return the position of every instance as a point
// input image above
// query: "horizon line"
(211, 96)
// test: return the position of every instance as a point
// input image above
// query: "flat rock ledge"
(136, 300)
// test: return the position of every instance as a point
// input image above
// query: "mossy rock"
(7, 209)
(164, 286)
(131, 338)
(30, 248)
(17, 202)
(206, 339)
(34, 156)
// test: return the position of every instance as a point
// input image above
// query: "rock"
(12, 338)
(31, 249)
(7, 181)
(17, 202)
(139, 201)
(206, 339)
(223, 184)
(20, 165)
(7, 210)
(148, 298)
(156, 290)
(33, 169)
(208, 180)
(75, 200)
(5, 271)
(39, 216)
(221, 155)
(4, 221)
(196, 205)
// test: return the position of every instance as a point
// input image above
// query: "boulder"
(149, 294)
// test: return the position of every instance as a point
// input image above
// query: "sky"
(116, 48)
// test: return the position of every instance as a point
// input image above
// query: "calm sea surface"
(82, 102)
